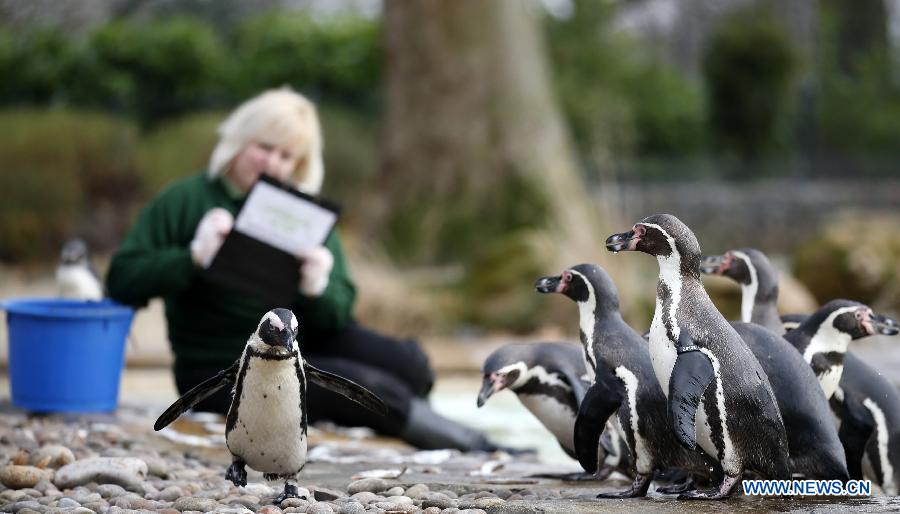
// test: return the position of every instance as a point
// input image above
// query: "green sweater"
(209, 324)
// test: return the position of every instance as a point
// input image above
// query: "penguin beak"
(625, 241)
(879, 324)
(549, 285)
(487, 389)
(713, 264)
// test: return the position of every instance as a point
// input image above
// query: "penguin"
(265, 427)
(813, 442)
(866, 405)
(76, 277)
(624, 383)
(718, 395)
(550, 380)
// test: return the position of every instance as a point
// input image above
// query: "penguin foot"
(638, 488)
(237, 473)
(729, 484)
(290, 491)
(677, 488)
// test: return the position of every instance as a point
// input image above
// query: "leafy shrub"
(748, 68)
(55, 164)
(176, 149)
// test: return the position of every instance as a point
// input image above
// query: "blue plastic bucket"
(66, 355)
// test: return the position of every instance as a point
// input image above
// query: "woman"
(179, 232)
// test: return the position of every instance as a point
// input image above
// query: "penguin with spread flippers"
(624, 386)
(265, 427)
(550, 380)
(719, 397)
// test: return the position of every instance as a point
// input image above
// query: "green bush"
(176, 149)
(338, 58)
(749, 67)
(162, 68)
(56, 164)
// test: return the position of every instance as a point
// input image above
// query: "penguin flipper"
(347, 388)
(857, 426)
(691, 375)
(578, 387)
(197, 394)
(600, 402)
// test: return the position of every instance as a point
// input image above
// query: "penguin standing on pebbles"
(813, 442)
(266, 424)
(718, 395)
(550, 380)
(623, 383)
(75, 276)
(866, 404)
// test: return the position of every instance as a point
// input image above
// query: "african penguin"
(549, 378)
(813, 442)
(866, 404)
(265, 427)
(703, 365)
(624, 383)
(76, 277)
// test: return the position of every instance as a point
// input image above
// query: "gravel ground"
(117, 464)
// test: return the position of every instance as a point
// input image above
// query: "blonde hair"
(279, 117)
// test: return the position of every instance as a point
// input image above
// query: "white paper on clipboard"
(283, 220)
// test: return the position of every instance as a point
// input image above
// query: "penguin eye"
(567, 277)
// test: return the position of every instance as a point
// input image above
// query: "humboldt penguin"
(866, 404)
(265, 427)
(719, 397)
(76, 277)
(624, 383)
(550, 380)
(813, 441)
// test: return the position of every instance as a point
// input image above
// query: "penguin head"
(660, 235)
(745, 266)
(278, 331)
(503, 369)
(848, 319)
(75, 251)
(582, 283)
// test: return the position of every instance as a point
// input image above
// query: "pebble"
(394, 491)
(21, 477)
(294, 502)
(432, 510)
(111, 490)
(268, 509)
(417, 491)
(198, 504)
(372, 485)
(67, 502)
(58, 456)
(128, 472)
(319, 508)
(352, 508)
(366, 497)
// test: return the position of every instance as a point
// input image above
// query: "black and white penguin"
(824, 337)
(718, 395)
(265, 427)
(813, 441)
(550, 380)
(76, 277)
(624, 383)
(866, 404)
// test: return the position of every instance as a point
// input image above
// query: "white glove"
(211, 232)
(315, 268)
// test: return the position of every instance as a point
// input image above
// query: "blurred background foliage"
(98, 118)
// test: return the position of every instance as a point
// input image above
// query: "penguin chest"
(77, 282)
(557, 417)
(829, 378)
(662, 353)
(269, 432)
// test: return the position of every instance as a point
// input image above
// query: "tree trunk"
(474, 147)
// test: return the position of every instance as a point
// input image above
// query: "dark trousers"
(395, 370)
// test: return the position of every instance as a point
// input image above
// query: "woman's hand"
(211, 232)
(315, 268)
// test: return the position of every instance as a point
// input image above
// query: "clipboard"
(275, 223)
